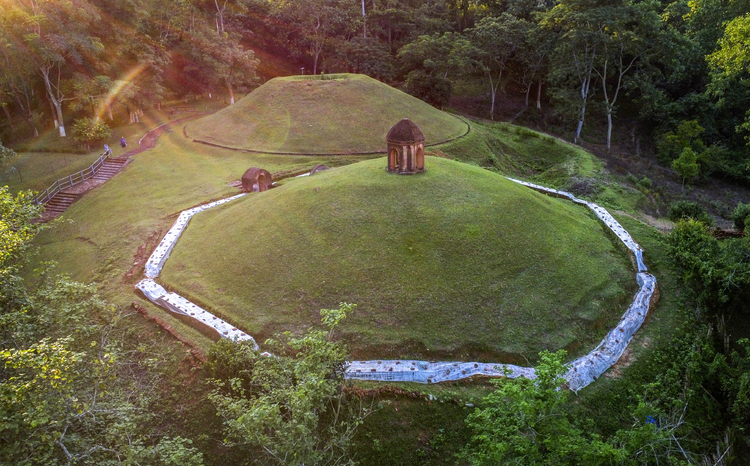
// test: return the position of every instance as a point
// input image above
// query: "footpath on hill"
(148, 141)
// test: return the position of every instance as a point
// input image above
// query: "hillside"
(456, 262)
(332, 114)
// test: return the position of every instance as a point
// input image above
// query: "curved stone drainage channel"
(581, 371)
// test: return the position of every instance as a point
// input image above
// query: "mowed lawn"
(343, 113)
(98, 238)
(457, 262)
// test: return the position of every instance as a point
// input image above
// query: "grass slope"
(98, 237)
(456, 262)
(518, 151)
(339, 114)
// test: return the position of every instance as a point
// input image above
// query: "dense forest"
(675, 71)
(668, 80)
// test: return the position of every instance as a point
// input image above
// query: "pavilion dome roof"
(405, 131)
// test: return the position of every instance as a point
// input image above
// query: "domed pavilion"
(405, 148)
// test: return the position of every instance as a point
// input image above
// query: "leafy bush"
(645, 183)
(527, 422)
(716, 271)
(90, 130)
(741, 216)
(686, 165)
(5, 152)
(289, 405)
(435, 90)
(684, 210)
(669, 146)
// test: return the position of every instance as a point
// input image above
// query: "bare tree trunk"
(231, 94)
(539, 95)
(610, 104)
(59, 116)
(585, 87)
(493, 92)
(54, 117)
(364, 20)
(53, 100)
(528, 91)
(317, 46)
(220, 16)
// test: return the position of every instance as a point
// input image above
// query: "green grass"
(38, 167)
(97, 238)
(521, 152)
(415, 431)
(38, 170)
(456, 263)
(310, 115)
(532, 156)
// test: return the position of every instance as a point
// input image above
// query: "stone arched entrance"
(318, 168)
(256, 180)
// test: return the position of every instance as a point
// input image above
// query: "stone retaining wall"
(581, 372)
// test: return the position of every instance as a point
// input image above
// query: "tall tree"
(17, 73)
(55, 36)
(430, 60)
(447, 55)
(582, 27)
(316, 23)
(498, 39)
(534, 57)
(287, 409)
(730, 65)
(628, 38)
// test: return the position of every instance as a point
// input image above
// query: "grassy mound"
(457, 262)
(518, 151)
(341, 113)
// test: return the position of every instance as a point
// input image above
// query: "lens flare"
(120, 84)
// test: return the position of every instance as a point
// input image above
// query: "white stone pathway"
(581, 372)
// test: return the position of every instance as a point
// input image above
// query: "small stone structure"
(581, 372)
(256, 180)
(318, 168)
(405, 148)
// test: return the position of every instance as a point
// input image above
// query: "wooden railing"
(71, 180)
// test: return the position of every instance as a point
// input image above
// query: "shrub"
(90, 130)
(686, 165)
(741, 216)
(669, 146)
(684, 210)
(645, 183)
(435, 90)
(5, 152)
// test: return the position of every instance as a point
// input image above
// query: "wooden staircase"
(109, 168)
(59, 204)
(62, 200)
(65, 191)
